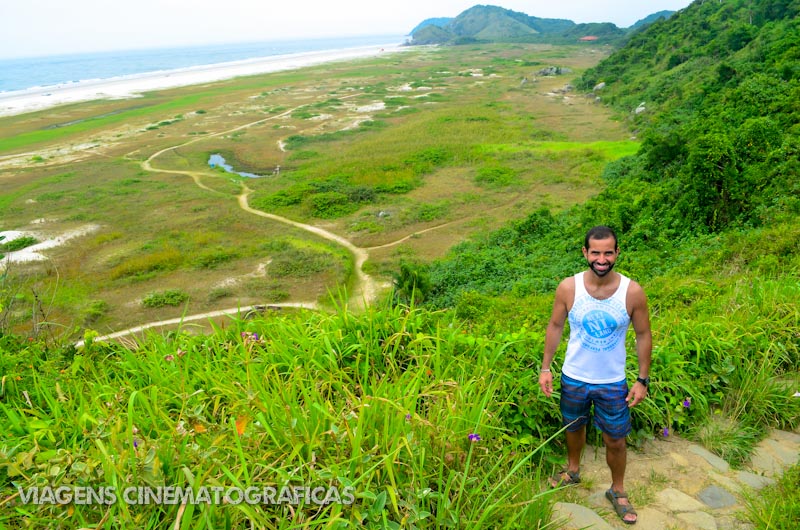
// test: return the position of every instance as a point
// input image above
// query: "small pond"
(217, 160)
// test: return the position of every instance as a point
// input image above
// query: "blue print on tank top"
(602, 328)
(599, 324)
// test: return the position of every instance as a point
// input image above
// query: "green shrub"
(218, 293)
(495, 176)
(18, 244)
(94, 310)
(140, 266)
(431, 212)
(213, 258)
(300, 262)
(331, 204)
(170, 297)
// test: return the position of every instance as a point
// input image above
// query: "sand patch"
(260, 272)
(379, 105)
(47, 241)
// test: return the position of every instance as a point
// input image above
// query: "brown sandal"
(621, 509)
(565, 477)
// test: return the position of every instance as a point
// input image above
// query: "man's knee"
(615, 444)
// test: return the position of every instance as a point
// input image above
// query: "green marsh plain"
(435, 144)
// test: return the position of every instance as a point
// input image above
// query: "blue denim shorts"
(611, 413)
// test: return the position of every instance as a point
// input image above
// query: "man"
(600, 304)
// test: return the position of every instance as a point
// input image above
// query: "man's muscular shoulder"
(565, 293)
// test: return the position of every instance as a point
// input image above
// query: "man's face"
(601, 255)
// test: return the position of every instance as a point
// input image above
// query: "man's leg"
(575, 443)
(575, 407)
(617, 459)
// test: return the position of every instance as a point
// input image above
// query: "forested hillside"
(719, 82)
(717, 88)
(483, 23)
(707, 216)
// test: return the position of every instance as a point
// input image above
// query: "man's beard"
(600, 273)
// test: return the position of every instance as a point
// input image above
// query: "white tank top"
(597, 328)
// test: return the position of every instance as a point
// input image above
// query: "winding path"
(365, 290)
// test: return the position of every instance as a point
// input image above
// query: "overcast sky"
(48, 27)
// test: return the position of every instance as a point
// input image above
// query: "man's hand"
(546, 383)
(636, 394)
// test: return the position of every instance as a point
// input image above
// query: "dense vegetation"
(404, 407)
(720, 83)
(431, 413)
(707, 214)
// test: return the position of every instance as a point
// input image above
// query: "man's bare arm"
(640, 318)
(555, 329)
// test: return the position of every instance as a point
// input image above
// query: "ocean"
(30, 72)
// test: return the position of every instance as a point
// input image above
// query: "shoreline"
(17, 102)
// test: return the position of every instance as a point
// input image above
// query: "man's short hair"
(600, 232)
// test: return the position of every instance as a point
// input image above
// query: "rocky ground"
(676, 484)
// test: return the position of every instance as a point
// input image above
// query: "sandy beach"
(39, 98)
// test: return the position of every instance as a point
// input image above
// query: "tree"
(713, 191)
(411, 284)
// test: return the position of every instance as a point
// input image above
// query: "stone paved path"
(675, 485)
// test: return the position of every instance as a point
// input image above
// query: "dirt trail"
(675, 484)
(365, 290)
(366, 287)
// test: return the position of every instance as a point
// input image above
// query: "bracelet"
(544, 370)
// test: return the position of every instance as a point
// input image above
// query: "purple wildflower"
(135, 443)
(665, 432)
(687, 402)
(408, 417)
(474, 437)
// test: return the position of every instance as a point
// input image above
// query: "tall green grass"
(383, 403)
(777, 507)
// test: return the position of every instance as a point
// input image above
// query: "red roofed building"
(588, 38)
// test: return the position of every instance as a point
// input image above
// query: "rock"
(788, 456)
(764, 462)
(754, 481)
(701, 520)
(678, 501)
(786, 436)
(710, 457)
(725, 481)
(550, 70)
(716, 497)
(577, 516)
(649, 517)
(599, 86)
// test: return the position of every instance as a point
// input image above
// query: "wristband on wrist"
(544, 370)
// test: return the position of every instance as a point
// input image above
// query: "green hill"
(712, 92)
(483, 23)
(706, 211)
